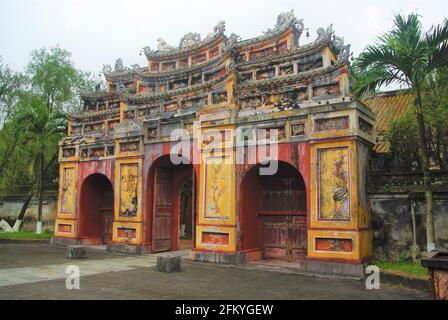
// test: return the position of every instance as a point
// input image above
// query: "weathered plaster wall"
(10, 209)
(392, 224)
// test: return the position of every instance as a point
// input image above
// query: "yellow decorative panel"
(65, 228)
(217, 195)
(333, 184)
(333, 124)
(127, 232)
(215, 138)
(334, 190)
(129, 194)
(67, 190)
(360, 244)
(216, 238)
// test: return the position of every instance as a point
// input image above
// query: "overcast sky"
(97, 32)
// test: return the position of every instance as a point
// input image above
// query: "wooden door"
(275, 237)
(284, 237)
(298, 237)
(108, 219)
(163, 210)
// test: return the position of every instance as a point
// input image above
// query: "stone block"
(168, 264)
(76, 252)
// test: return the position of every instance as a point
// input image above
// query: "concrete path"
(38, 272)
(14, 276)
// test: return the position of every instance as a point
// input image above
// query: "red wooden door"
(283, 216)
(284, 237)
(163, 210)
(108, 219)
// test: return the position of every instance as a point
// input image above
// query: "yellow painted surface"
(217, 197)
(325, 158)
(329, 54)
(360, 241)
(365, 243)
(216, 132)
(123, 108)
(334, 133)
(328, 161)
(333, 194)
(131, 225)
(230, 231)
(70, 159)
(128, 182)
(67, 191)
(124, 154)
(70, 222)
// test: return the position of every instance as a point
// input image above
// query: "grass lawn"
(403, 268)
(25, 235)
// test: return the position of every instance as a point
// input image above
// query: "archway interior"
(173, 206)
(186, 215)
(97, 210)
(274, 220)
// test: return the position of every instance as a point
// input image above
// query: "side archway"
(97, 210)
(274, 214)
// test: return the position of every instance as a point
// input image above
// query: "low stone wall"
(392, 224)
(10, 209)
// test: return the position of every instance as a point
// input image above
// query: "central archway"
(97, 210)
(274, 217)
(172, 210)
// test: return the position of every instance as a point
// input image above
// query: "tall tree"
(53, 78)
(11, 85)
(36, 122)
(406, 55)
(53, 75)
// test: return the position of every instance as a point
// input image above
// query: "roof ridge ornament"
(119, 67)
(342, 49)
(219, 28)
(284, 20)
(189, 39)
(323, 34)
(231, 41)
(163, 46)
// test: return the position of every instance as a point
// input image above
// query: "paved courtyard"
(38, 272)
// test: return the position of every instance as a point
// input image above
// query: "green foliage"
(86, 82)
(435, 101)
(403, 268)
(405, 55)
(23, 235)
(36, 120)
(402, 136)
(11, 86)
(403, 133)
(52, 76)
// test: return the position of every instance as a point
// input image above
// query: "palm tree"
(45, 129)
(406, 55)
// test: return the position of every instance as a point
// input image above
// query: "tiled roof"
(388, 106)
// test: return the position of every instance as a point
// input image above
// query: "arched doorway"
(274, 219)
(171, 192)
(97, 210)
